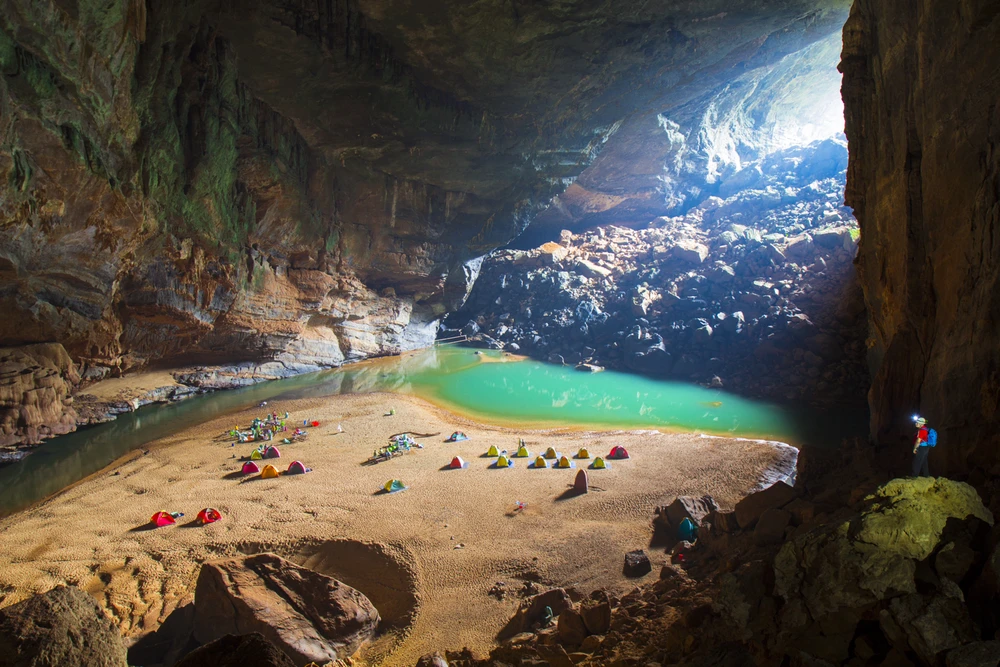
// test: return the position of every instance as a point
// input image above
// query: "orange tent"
(268, 472)
(162, 518)
(209, 515)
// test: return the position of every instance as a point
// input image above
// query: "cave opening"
(708, 242)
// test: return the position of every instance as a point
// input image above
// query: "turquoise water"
(519, 393)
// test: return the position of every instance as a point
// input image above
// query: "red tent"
(296, 468)
(250, 468)
(457, 462)
(618, 452)
(209, 515)
(314, 423)
(272, 453)
(162, 518)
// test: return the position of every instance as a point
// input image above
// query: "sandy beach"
(426, 557)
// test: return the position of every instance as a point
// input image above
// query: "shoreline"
(454, 529)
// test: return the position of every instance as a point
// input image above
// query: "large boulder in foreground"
(870, 564)
(60, 628)
(310, 616)
(244, 651)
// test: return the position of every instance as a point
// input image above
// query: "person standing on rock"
(926, 438)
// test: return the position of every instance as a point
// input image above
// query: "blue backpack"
(931, 438)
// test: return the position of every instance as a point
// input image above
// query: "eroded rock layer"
(924, 181)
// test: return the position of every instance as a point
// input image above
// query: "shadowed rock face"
(924, 180)
(313, 182)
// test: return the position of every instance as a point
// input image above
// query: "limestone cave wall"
(921, 88)
(311, 182)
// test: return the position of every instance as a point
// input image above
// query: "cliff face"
(921, 89)
(309, 182)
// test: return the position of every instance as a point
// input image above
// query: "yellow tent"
(268, 472)
(564, 462)
(551, 453)
(540, 462)
(583, 453)
(492, 451)
(600, 464)
(504, 462)
(522, 452)
(256, 456)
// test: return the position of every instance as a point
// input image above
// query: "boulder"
(596, 613)
(552, 253)
(432, 660)
(310, 616)
(833, 576)
(689, 507)
(689, 251)
(636, 564)
(723, 522)
(253, 650)
(62, 627)
(750, 508)
(570, 628)
(976, 654)
(770, 528)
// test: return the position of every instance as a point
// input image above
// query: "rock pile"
(755, 292)
(908, 574)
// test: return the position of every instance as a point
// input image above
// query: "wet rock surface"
(64, 626)
(755, 293)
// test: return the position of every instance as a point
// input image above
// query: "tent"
(286, 441)
(296, 468)
(504, 462)
(162, 518)
(600, 464)
(268, 472)
(551, 453)
(458, 463)
(457, 436)
(540, 462)
(493, 451)
(618, 452)
(581, 484)
(394, 486)
(314, 423)
(564, 462)
(209, 515)
(687, 531)
(522, 452)
(583, 453)
(250, 468)
(256, 456)
(272, 453)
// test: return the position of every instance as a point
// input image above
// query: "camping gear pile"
(398, 444)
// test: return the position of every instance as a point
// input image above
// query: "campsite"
(444, 518)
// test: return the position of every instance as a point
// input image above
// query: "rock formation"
(756, 292)
(64, 626)
(36, 383)
(924, 182)
(312, 183)
(309, 616)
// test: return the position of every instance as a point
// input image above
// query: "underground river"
(483, 385)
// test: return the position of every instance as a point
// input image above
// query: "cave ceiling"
(248, 178)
